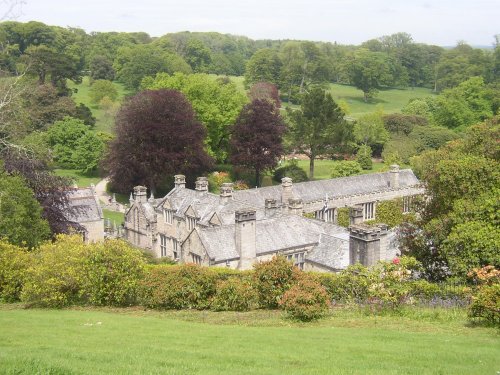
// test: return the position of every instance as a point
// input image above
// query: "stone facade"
(84, 209)
(237, 228)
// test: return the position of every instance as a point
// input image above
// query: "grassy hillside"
(104, 119)
(258, 342)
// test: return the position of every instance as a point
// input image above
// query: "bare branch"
(10, 9)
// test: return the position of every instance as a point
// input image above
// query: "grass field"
(134, 341)
(323, 168)
(116, 217)
(390, 100)
(79, 178)
(104, 122)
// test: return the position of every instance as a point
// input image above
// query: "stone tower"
(245, 241)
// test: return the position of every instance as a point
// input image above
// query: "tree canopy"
(157, 136)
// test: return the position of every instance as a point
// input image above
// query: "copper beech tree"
(157, 136)
(257, 137)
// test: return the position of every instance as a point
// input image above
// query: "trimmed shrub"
(345, 168)
(272, 279)
(403, 124)
(292, 171)
(364, 157)
(343, 216)
(486, 304)
(111, 273)
(178, 287)
(55, 276)
(14, 261)
(307, 300)
(234, 294)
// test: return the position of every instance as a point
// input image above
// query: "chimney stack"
(287, 189)
(367, 244)
(394, 182)
(245, 238)
(295, 206)
(180, 181)
(355, 215)
(271, 207)
(140, 194)
(226, 192)
(201, 184)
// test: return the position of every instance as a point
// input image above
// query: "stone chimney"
(394, 182)
(180, 181)
(295, 206)
(140, 194)
(245, 241)
(287, 189)
(367, 244)
(226, 192)
(201, 184)
(356, 215)
(271, 207)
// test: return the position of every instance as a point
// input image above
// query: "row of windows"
(297, 259)
(165, 243)
(168, 216)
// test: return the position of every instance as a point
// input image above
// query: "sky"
(440, 22)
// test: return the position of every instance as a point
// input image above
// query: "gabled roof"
(83, 206)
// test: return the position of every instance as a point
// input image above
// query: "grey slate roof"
(336, 187)
(329, 241)
(83, 206)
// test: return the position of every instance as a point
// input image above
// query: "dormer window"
(168, 215)
(191, 222)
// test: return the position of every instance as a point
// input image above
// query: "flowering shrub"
(488, 275)
(272, 279)
(178, 287)
(306, 300)
(13, 264)
(234, 294)
(486, 304)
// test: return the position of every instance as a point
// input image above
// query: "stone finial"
(394, 181)
(201, 184)
(151, 198)
(180, 181)
(131, 199)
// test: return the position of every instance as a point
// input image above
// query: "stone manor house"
(240, 227)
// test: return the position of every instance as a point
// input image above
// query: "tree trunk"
(365, 96)
(311, 166)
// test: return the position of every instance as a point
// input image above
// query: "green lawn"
(135, 341)
(116, 217)
(104, 121)
(391, 100)
(323, 168)
(79, 178)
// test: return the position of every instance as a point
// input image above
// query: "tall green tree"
(21, 220)
(216, 103)
(263, 66)
(318, 126)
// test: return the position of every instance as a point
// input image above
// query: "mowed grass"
(323, 168)
(141, 342)
(79, 178)
(104, 120)
(115, 217)
(389, 99)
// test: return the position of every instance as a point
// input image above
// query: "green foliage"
(111, 273)
(307, 300)
(272, 279)
(89, 151)
(369, 130)
(101, 89)
(55, 275)
(217, 104)
(345, 168)
(178, 287)
(263, 66)
(343, 216)
(486, 304)
(14, 261)
(431, 137)
(291, 170)
(402, 124)
(390, 212)
(419, 107)
(234, 294)
(364, 157)
(101, 68)
(21, 220)
(216, 179)
(399, 149)
(63, 137)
